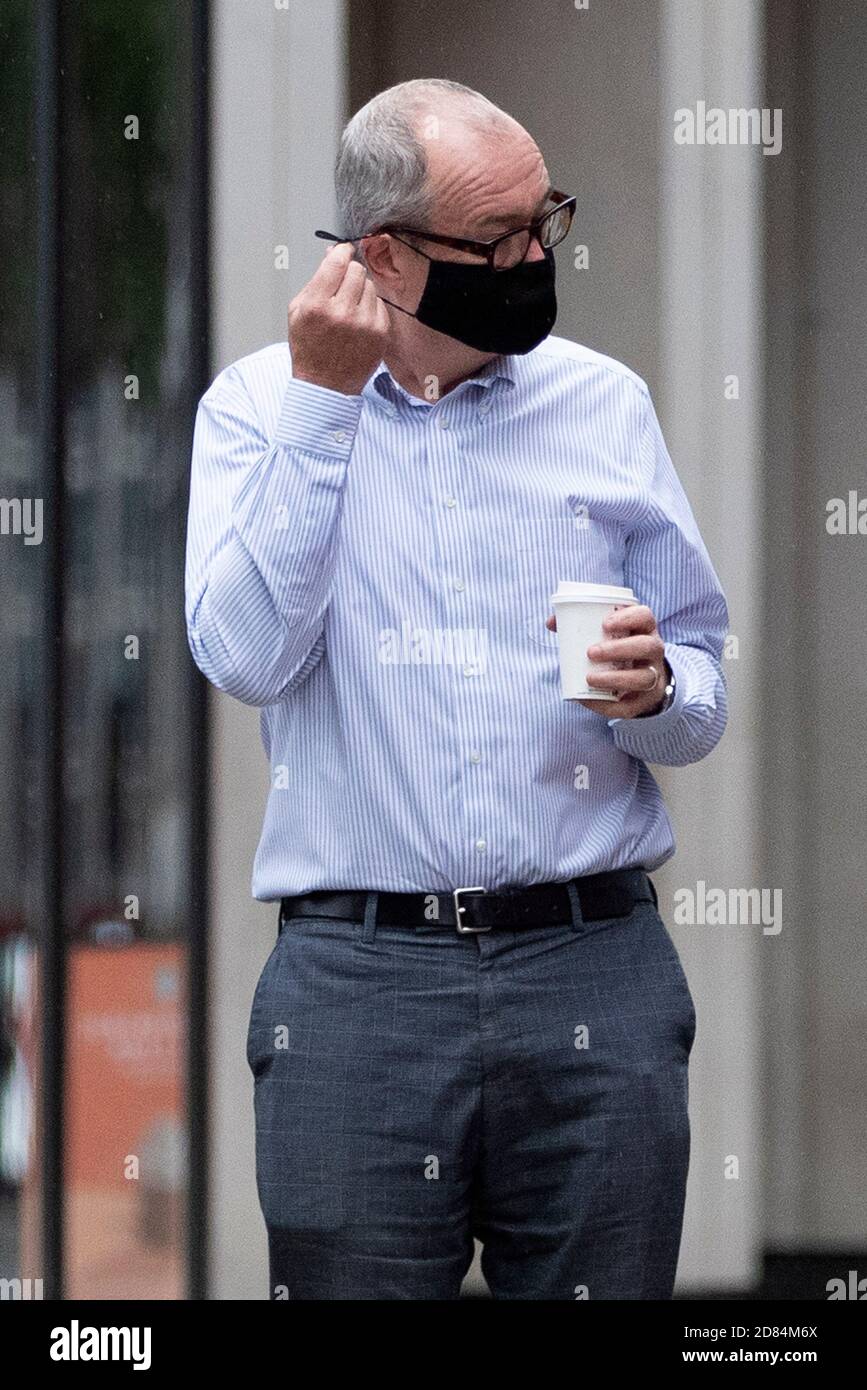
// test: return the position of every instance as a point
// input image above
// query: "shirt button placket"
(445, 451)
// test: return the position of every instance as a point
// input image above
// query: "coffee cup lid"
(591, 593)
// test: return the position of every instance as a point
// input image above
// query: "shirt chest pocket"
(539, 552)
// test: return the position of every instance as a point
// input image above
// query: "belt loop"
(575, 900)
(369, 933)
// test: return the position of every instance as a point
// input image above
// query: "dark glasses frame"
(486, 249)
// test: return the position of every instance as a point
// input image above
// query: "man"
(379, 515)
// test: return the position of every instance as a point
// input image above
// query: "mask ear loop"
(353, 241)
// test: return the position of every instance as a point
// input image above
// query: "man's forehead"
(510, 205)
(457, 147)
(465, 163)
(513, 214)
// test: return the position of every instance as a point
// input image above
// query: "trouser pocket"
(680, 981)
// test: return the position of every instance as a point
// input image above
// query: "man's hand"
(337, 325)
(633, 642)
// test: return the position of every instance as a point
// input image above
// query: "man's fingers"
(369, 300)
(349, 292)
(640, 680)
(328, 276)
(635, 617)
(643, 647)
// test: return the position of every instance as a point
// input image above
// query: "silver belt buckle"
(465, 931)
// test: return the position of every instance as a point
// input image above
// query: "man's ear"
(377, 255)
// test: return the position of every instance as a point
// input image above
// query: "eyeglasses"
(509, 249)
(503, 251)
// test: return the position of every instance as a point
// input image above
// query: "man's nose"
(535, 251)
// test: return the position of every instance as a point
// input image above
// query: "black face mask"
(504, 311)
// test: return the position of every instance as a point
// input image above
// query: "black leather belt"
(471, 910)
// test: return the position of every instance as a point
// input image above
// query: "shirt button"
(443, 422)
(338, 435)
(460, 585)
(481, 844)
(451, 501)
(469, 671)
(475, 756)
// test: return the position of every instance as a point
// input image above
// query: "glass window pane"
(130, 343)
(130, 744)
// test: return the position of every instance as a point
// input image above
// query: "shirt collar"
(382, 389)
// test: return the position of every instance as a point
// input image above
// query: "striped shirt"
(374, 572)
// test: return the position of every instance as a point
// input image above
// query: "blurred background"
(163, 169)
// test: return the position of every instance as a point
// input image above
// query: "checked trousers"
(414, 1089)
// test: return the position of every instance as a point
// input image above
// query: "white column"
(711, 317)
(277, 82)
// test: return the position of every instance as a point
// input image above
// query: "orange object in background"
(125, 1136)
(126, 1162)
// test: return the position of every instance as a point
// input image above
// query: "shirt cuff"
(631, 731)
(318, 420)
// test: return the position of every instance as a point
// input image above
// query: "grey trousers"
(414, 1088)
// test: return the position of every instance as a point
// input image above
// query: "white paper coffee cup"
(580, 610)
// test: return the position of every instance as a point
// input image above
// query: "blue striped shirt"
(374, 572)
